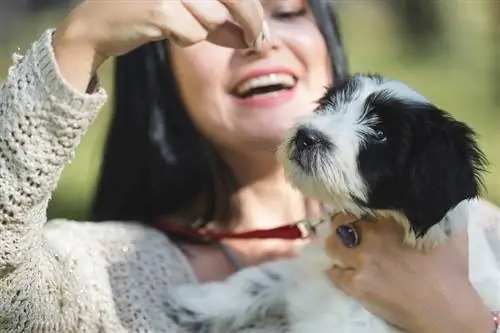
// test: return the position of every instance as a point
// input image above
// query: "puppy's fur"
(373, 145)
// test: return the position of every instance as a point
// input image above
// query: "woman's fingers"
(249, 14)
(228, 23)
(210, 14)
(180, 25)
(342, 278)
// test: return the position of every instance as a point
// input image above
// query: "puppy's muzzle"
(307, 147)
(310, 138)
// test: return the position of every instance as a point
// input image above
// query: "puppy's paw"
(192, 307)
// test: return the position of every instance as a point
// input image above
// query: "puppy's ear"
(444, 167)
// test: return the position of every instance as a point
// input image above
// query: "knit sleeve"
(42, 120)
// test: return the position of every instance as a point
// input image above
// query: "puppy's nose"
(307, 137)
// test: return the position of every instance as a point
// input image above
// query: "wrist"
(77, 58)
(72, 37)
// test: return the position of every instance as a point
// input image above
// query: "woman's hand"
(96, 29)
(419, 292)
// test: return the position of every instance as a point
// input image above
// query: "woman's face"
(246, 101)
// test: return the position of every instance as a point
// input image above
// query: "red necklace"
(300, 230)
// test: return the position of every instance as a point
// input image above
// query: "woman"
(191, 146)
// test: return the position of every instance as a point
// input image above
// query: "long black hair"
(155, 162)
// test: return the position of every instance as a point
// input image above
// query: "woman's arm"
(42, 119)
(42, 122)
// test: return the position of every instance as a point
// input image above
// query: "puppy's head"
(377, 144)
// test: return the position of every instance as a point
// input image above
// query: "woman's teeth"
(265, 84)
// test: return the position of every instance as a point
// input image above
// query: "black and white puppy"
(373, 145)
(378, 145)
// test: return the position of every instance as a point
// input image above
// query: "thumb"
(342, 278)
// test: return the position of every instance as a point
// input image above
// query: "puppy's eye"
(380, 135)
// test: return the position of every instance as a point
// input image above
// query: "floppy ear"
(444, 167)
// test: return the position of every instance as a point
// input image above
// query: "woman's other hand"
(419, 292)
(96, 29)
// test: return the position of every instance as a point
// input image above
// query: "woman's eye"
(288, 14)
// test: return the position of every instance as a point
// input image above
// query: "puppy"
(378, 145)
(372, 146)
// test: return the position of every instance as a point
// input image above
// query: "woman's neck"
(268, 203)
(266, 199)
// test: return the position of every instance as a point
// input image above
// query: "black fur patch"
(427, 163)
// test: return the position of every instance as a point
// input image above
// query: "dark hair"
(155, 163)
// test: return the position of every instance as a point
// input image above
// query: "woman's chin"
(266, 140)
(265, 132)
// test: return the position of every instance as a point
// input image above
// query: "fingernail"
(266, 32)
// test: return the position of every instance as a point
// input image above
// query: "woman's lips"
(265, 83)
(265, 87)
(268, 100)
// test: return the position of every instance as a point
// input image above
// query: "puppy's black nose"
(307, 137)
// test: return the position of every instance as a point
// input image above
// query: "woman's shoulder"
(128, 248)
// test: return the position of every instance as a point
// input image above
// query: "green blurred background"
(449, 50)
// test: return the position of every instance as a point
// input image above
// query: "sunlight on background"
(449, 50)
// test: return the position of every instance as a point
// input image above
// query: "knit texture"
(67, 276)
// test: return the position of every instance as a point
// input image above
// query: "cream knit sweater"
(65, 276)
